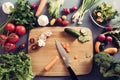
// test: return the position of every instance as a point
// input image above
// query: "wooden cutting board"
(41, 57)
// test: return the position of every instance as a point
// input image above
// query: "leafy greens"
(15, 66)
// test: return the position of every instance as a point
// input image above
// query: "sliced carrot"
(66, 46)
(63, 44)
(111, 50)
(40, 7)
(76, 57)
(51, 63)
(68, 49)
(97, 46)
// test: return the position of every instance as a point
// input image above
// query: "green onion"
(85, 6)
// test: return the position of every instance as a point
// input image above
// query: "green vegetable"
(116, 37)
(15, 66)
(83, 32)
(104, 12)
(85, 6)
(104, 61)
(21, 15)
(113, 71)
(54, 7)
(72, 32)
(107, 65)
(84, 38)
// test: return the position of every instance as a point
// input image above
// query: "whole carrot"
(111, 50)
(97, 46)
(40, 7)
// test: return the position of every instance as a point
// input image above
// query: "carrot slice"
(40, 7)
(51, 63)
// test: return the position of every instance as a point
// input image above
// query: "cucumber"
(84, 39)
(72, 32)
(83, 32)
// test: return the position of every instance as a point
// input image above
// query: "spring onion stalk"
(83, 9)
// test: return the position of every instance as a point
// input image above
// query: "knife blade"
(66, 60)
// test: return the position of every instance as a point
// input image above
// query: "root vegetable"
(109, 39)
(52, 22)
(64, 17)
(101, 37)
(97, 46)
(111, 50)
(51, 64)
(40, 7)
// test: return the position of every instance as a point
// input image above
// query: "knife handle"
(72, 74)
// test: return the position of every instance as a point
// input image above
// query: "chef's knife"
(66, 60)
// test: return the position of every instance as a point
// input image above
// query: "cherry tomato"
(59, 20)
(65, 23)
(21, 30)
(8, 47)
(10, 27)
(22, 46)
(2, 38)
(13, 38)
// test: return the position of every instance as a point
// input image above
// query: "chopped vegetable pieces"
(104, 13)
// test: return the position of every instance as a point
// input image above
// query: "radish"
(74, 8)
(66, 10)
(109, 39)
(33, 6)
(101, 37)
(109, 27)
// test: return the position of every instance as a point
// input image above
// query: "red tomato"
(2, 38)
(13, 38)
(8, 47)
(10, 27)
(22, 46)
(21, 30)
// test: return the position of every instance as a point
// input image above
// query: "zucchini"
(72, 32)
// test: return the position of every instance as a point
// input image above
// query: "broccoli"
(104, 61)
(113, 71)
(107, 64)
